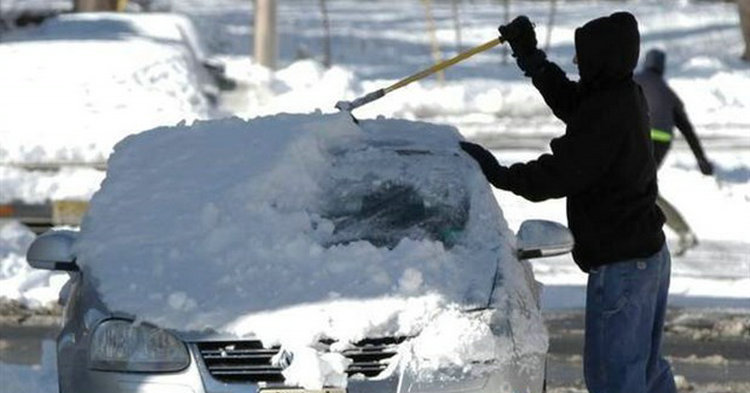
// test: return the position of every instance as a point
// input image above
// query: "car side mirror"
(53, 250)
(540, 238)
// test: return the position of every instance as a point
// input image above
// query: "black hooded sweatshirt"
(604, 163)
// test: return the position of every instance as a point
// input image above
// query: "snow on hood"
(252, 227)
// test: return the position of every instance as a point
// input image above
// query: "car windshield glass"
(386, 205)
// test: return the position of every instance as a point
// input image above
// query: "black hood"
(607, 50)
(655, 60)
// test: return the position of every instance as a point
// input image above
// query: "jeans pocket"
(619, 305)
(615, 289)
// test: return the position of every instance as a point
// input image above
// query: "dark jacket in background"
(665, 109)
(604, 163)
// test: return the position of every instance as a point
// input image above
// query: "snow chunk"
(315, 371)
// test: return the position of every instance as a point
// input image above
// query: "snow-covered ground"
(376, 43)
(714, 274)
(485, 99)
(373, 44)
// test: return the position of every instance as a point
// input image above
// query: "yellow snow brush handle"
(351, 105)
(444, 64)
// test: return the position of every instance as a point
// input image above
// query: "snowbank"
(382, 229)
(18, 280)
(702, 40)
(42, 186)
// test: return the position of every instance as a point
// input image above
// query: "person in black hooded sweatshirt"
(604, 166)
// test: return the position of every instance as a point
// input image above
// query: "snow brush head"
(346, 106)
(349, 106)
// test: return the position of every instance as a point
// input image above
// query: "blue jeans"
(625, 307)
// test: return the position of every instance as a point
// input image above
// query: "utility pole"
(265, 33)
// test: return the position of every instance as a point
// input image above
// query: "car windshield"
(388, 212)
(386, 204)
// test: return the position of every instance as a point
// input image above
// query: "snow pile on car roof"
(297, 228)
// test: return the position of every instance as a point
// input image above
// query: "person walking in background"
(604, 165)
(667, 111)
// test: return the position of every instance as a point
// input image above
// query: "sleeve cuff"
(532, 63)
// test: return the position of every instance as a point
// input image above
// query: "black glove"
(706, 167)
(520, 35)
(494, 172)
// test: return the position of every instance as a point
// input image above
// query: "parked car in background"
(164, 28)
(75, 85)
(381, 193)
(79, 83)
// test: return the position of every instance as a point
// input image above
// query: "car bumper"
(525, 375)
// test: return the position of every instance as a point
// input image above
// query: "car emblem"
(283, 359)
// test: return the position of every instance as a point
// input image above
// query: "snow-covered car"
(300, 252)
(77, 84)
(169, 29)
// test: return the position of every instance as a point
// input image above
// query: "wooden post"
(550, 24)
(456, 25)
(436, 54)
(265, 33)
(327, 34)
(744, 10)
(95, 5)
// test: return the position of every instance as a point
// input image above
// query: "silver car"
(101, 351)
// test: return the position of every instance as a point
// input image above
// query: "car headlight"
(119, 345)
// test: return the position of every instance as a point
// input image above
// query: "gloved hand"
(520, 35)
(706, 167)
(493, 171)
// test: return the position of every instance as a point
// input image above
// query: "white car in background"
(165, 28)
(75, 85)
(79, 83)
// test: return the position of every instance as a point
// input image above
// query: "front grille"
(371, 357)
(248, 361)
(240, 361)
